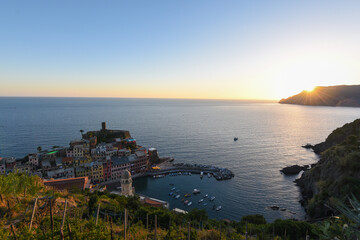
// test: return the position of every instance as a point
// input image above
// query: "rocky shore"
(335, 175)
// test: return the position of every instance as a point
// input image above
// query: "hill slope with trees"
(342, 95)
(337, 173)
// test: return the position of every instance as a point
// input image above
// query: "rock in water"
(308, 146)
(292, 170)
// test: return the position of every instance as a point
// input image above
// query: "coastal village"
(99, 158)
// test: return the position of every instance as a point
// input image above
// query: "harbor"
(176, 190)
(174, 169)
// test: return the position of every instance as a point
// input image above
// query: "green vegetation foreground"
(30, 210)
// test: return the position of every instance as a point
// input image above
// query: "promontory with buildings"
(100, 157)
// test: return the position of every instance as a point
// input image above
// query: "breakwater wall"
(216, 172)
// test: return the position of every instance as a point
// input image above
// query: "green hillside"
(72, 215)
(336, 175)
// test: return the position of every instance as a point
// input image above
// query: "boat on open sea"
(235, 139)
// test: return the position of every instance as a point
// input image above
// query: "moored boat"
(218, 208)
(196, 191)
(212, 198)
(189, 204)
(201, 200)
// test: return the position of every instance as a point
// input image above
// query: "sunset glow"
(247, 51)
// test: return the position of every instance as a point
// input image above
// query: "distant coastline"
(336, 96)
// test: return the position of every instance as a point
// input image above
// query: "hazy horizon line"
(219, 99)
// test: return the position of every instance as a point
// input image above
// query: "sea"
(270, 136)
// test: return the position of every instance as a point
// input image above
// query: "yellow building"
(82, 160)
(97, 174)
(93, 170)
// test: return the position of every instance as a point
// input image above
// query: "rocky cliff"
(336, 175)
(343, 95)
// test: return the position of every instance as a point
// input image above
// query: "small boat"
(201, 175)
(171, 184)
(218, 208)
(190, 173)
(205, 204)
(196, 191)
(187, 195)
(235, 139)
(189, 204)
(212, 198)
(209, 175)
(201, 200)
(206, 195)
(186, 202)
(171, 193)
(177, 196)
(173, 188)
(178, 190)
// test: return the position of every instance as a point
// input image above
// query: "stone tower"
(103, 126)
(126, 184)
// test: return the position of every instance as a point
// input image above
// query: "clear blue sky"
(180, 49)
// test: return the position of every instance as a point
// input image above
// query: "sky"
(177, 48)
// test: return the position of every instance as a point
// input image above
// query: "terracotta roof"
(152, 202)
(69, 183)
(67, 159)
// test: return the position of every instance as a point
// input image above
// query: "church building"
(126, 184)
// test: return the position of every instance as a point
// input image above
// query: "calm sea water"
(193, 131)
